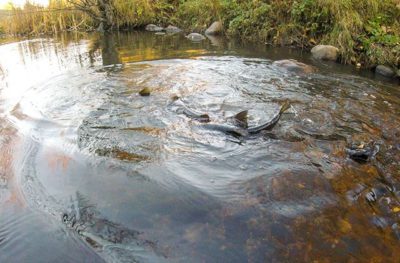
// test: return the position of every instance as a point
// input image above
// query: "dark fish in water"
(241, 120)
(227, 129)
(271, 124)
(201, 117)
(192, 114)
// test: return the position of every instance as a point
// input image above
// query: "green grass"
(365, 31)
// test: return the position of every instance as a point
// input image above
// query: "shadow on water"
(106, 174)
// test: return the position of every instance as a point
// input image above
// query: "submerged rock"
(325, 52)
(145, 92)
(172, 29)
(384, 71)
(294, 66)
(215, 29)
(196, 37)
(362, 152)
(153, 28)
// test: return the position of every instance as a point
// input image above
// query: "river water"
(90, 171)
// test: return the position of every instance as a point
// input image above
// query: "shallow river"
(90, 171)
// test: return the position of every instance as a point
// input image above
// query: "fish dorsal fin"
(241, 119)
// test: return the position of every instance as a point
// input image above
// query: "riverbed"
(90, 171)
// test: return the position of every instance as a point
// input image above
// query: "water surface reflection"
(119, 177)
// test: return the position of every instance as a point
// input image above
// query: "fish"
(201, 117)
(192, 114)
(242, 129)
(240, 119)
(227, 129)
(270, 124)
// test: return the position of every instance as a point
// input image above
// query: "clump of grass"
(33, 19)
(197, 15)
(365, 31)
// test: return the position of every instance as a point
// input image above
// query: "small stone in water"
(371, 197)
(243, 167)
(3, 182)
(144, 92)
(396, 209)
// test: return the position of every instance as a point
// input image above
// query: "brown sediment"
(148, 130)
(17, 112)
(121, 155)
(11, 189)
(56, 159)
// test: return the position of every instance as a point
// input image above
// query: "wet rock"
(379, 222)
(325, 52)
(153, 28)
(371, 196)
(384, 71)
(395, 226)
(215, 29)
(294, 66)
(145, 92)
(362, 152)
(215, 40)
(195, 37)
(172, 29)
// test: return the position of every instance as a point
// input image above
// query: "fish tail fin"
(285, 106)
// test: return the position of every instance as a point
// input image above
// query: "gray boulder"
(325, 52)
(153, 28)
(172, 29)
(215, 40)
(215, 29)
(195, 37)
(295, 66)
(385, 71)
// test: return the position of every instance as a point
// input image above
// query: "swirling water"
(92, 172)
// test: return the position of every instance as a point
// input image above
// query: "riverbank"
(366, 32)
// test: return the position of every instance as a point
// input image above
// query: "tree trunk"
(100, 11)
(106, 15)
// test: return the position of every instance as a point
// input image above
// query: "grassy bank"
(365, 31)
